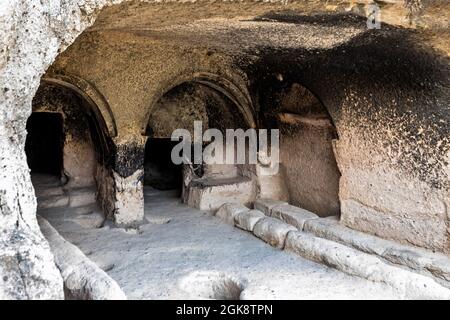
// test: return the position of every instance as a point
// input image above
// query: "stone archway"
(216, 103)
(308, 160)
(237, 94)
(95, 100)
(86, 148)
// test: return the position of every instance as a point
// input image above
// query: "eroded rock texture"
(386, 92)
(32, 34)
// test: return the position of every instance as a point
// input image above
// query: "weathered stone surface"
(12, 286)
(351, 261)
(272, 231)
(53, 201)
(265, 205)
(292, 215)
(410, 211)
(47, 192)
(81, 197)
(94, 219)
(105, 190)
(415, 258)
(34, 32)
(228, 211)
(272, 185)
(351, 106)
(78, 151)
(306, 153)
(31, 33)
(212, 285)
(129, 199)
(83, 279)
(27, 271)
(247, 220)
(210, 193)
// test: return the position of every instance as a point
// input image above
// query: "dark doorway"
(44, 144)
(160, 172)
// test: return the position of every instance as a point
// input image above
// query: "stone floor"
(183, 253)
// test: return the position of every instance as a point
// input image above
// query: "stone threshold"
(57, 197)
(414, 272)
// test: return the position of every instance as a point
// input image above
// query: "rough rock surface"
(387, 137)
(83, 279)
(33, 33)
(82, 197)
(209, 193)
(351, 261)
(246, 220)
(195, 255)
(228, 211)
(129, 199)
(415, 258)
(292, 215)
(265, 205)
(272, 231)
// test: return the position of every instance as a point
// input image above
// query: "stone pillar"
(128, 174)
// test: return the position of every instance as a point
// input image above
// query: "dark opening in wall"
(44, 143)
(160, 172)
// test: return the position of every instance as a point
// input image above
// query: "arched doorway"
(214, 107)
(67, 147)
(307, 135)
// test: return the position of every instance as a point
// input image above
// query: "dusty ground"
(183, 253)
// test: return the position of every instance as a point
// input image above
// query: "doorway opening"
(65, 149)
(160, 172)
(201, 184)
(44, 143)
